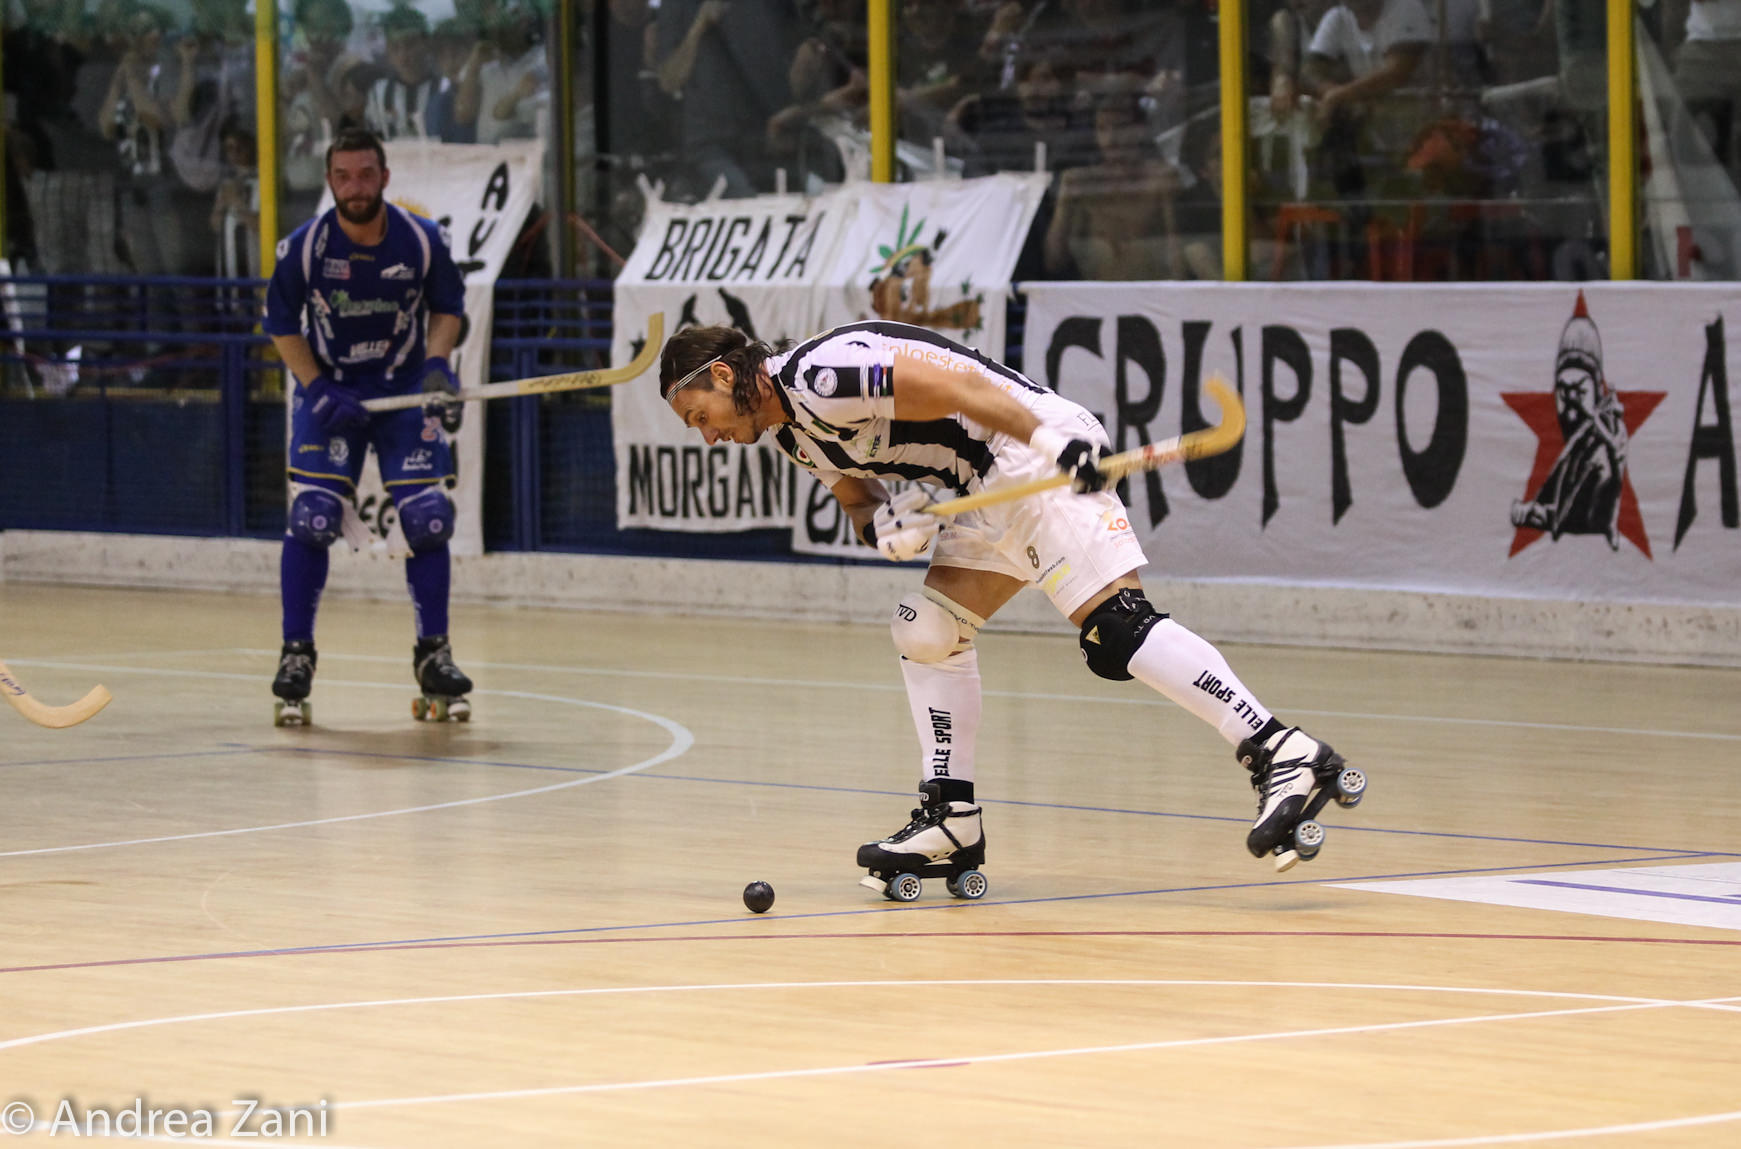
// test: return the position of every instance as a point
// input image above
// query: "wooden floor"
(527, 930)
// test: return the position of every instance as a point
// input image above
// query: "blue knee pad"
(316, 517)
(427, 519)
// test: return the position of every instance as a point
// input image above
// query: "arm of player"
(298, 356)
(924, 390)
(860, 498)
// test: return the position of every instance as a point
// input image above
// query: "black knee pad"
(1112, 634)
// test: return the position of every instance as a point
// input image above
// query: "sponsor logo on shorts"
(339, 451)
(336, 268)
(398, 271)
(419, 460)
(311, 448)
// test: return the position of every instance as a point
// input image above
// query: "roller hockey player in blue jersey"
(365, 302)
(875, 401)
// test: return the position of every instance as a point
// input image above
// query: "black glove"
(1078, 458)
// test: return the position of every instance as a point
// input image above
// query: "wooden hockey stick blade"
(1180, 448)
(543, 384)
(53, 717)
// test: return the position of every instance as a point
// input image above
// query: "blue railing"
(155, 406)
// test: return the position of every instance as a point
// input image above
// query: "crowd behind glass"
(1390, 139)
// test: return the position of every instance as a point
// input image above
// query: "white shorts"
(1070, 546)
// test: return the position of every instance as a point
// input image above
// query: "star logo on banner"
(1579, 483)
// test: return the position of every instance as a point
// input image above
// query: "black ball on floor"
(759, 896)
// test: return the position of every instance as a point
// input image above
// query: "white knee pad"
(929, 626)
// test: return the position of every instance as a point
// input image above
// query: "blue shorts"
(410, 446)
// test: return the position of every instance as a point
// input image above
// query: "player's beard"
(366, 214)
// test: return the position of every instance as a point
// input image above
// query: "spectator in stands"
(830, 86)
(1708, 72)
(512, 76)
(235, 214)
(937, 65)
(720, 59)
(62, 170)
(413, 98)
(1004, 127)
(451, 46)
(1115, 219)
(315, 103)
(1362, 51)
(137, 116)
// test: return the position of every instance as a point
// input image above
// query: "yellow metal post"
(881, 32)
(1234, 242)
(564, 128)
(266, 126)
(1622, 144)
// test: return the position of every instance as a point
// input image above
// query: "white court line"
(1625, 1004)
(1146, 699)
(681, 741)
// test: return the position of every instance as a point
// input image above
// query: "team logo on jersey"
(398, 271)
(336, 268)
(824, 382)
(1579, 484)
(339, 451)
(431, 428)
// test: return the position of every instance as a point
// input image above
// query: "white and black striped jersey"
(839, 388)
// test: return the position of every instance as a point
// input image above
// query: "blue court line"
(238, 749)
(1676, 851)
(1733, 900)
(741, 918)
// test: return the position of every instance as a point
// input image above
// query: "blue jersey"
(362, 309)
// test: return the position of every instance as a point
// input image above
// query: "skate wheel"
(420, 709)
(1308, 839)
(460, 711)
(292, 714)
(904, 888)
(1350, 787)
(969, 885)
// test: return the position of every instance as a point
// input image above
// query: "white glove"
(1077, 458)
(903, 530)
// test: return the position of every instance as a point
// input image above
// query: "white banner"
(1541, 440)
(937, 254)
(481, 195)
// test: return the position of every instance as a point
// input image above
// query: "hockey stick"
(1180, 448)
(541, 385)
(53, 717)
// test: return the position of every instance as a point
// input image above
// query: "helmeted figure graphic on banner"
(1581, 493)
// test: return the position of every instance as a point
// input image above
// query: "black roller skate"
(444, 687)
(943, 840)
(295, 679)
(1295, 776)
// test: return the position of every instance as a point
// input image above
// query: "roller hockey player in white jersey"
(876, 400)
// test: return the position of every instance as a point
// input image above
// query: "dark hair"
(694, 346)
(404, 21)
(356, 140)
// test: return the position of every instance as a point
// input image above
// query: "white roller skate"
(943, 840)
(444, 686)
(1295, 776)
(295, 679)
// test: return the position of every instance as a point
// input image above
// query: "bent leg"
(1124, 637)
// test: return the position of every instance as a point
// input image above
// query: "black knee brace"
(1112, 634)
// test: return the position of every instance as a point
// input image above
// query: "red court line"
(312, 951)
